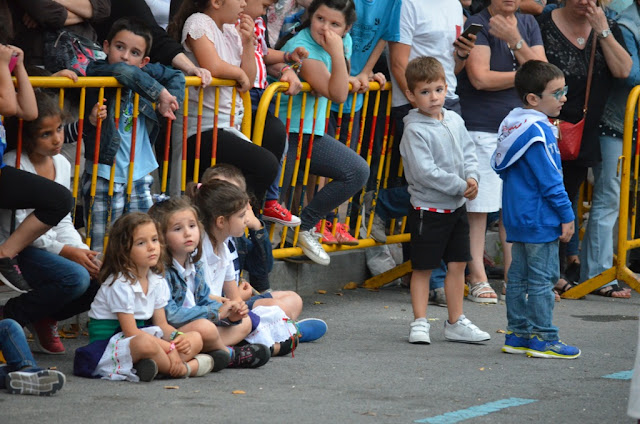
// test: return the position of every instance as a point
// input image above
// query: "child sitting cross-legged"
(536, 210)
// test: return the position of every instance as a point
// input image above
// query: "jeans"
(60, 288)
(530, 300)
(597, 244)
(437, 276)
(15, 349)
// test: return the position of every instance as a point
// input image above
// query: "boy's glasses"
(558, 94)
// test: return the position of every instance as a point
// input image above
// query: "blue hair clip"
(159, 198)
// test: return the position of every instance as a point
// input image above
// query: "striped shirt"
(261, 51)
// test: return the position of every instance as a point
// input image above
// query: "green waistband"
(103, 329)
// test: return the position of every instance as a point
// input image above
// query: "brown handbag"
(570, 135)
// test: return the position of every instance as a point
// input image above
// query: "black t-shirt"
(574, 62)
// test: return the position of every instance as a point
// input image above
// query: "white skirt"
(116, 362)
(489, 197)
(274, 326)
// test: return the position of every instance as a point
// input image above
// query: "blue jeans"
(534, 270)
(59, 288)
(597, 244)
(437, 276)
(15, 349)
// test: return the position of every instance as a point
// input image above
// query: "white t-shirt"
(160, 10)
(189, 276)
(217, 269)
(124, 297)
(228, 45)
(430, 27)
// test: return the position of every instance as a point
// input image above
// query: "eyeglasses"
(558, 94)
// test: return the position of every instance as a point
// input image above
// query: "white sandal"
(478, 289)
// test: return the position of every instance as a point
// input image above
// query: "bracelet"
(172, 347)
(287, 57)
(463, 58)
(284, 68)
(175, 334)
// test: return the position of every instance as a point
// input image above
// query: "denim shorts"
(257, 297)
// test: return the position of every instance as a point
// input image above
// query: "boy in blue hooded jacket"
(536, 211)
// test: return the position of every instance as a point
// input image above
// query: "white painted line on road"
(475, 411)
(622, 375)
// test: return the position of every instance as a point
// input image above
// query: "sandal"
(562, 288)
(608, 291)
(481, 288)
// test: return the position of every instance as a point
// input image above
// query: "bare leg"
(454, 289)
(420, 292)
(234, 334)
(477, 230)
(211, 339)
(29, 230)
(290, 302)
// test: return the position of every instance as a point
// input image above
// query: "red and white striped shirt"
(261, 51)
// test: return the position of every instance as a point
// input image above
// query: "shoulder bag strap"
(590, 73)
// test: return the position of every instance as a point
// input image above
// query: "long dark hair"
(346, 7)
(6, 23)
(187, 8)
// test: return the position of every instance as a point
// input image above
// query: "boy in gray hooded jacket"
(441, 169)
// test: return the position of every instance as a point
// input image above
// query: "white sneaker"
(308, 242)
(420, 331)
(464, 331)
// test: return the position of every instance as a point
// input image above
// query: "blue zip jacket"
(205, 307)
(148, 82)
(534, 201)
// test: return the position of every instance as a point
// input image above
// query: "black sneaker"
(221, 359)
(11, 275)
(146, 369)
(250, 356)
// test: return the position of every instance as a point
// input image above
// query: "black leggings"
(23, 190)
(258, 164)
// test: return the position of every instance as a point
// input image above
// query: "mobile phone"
(471, 29)
(12, 62)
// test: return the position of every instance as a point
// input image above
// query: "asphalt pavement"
(365, 371)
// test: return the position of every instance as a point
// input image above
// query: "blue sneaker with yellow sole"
(555, 349)
(514, 343)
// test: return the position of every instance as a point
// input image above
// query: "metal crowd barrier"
(627, 238)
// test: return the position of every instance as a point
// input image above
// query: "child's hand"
(84, 257)
(295, 85)
(380, 79)
(246, 29)
(68, 73)
(239, 310)
(567, 232)
(218, 299)
(183, 345)
(245, 290)
(167, 103)
(251, 221)
(472, 189)
(464, 45)
(98, 112)
(14, 51)
(243, 82)
(363, 79)
(356, 84)
(299, 54)
(332, 43)
(204, 74)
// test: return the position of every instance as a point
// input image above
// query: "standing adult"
(487, 94)
(568, 35)
(597, 245)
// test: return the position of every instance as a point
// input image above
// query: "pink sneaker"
(327, 237)
(45, 335)
(343, 236)
(275, 212)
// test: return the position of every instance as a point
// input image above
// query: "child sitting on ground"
(536, 210)
(440, 166)
(134, 291)
(191, 307)
(127, 47)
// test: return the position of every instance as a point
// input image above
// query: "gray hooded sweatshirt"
(438, 157)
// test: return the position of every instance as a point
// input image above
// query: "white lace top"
(228, 45)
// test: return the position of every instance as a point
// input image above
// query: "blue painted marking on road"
(622, 375)
(475, 411)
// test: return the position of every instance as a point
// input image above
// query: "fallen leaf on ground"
(351, 286)
(481, 368)
(339, 294)
(318, 303)
(322, 292)
(172, 387)
(386, 307)
(501, 332)
(238, 392)
(371, 414)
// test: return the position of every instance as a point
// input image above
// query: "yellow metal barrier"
(273, 91)
(626, 235)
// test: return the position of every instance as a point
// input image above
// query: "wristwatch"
(518, 45)
(604, 34)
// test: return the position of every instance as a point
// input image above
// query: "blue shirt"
(316, 52)
(377, 19)
(3, 143)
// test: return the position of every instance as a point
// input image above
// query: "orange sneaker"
(327, 237)
(343, 236)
